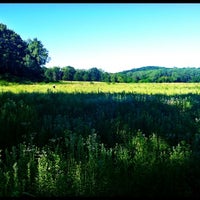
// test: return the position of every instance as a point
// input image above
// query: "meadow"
(100, 139)
(97, 87)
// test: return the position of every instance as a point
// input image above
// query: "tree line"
(148, 74)
(25, 60)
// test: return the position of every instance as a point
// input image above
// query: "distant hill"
(146, 68)
(160, 74)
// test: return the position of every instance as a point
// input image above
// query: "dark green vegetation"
(153, 74)
(149, 74)
(99, 144)
(23, 61)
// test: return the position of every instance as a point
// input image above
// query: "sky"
(110, 36)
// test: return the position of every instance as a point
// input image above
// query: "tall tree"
(12, 51)
(36, 57)
(95, 74)
(21, 58)
(78, 76)
(38, 52)
(68, 73)
(52, 74)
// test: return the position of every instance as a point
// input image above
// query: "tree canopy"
(21, 58)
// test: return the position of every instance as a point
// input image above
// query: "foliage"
(12, 51)
(62, 142)
(91, 169)
(138, 75)
(161, 74)
(21, 58)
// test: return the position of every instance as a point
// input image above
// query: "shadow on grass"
(37, 118)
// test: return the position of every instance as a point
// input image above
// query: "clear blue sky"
(112, 37)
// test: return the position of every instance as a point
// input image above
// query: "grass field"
(97, 139)
(96, 87)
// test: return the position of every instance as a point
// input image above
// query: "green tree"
(57, 73)
(36, 57)
(105, 77)
(120, 78)
(68, 73)
(48, 74)
(78, 76)
(53, 74)
(12, 51)
(37, 52)
(113, 78)
(86, 76)
(21, 58)
(95, 74)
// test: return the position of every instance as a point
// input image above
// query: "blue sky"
(112, 37)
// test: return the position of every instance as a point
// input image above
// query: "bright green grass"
(96, 87)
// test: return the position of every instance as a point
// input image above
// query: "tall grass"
(145, 166)
(98, 143)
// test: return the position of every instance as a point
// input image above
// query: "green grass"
(99, 139)
(97, 87)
